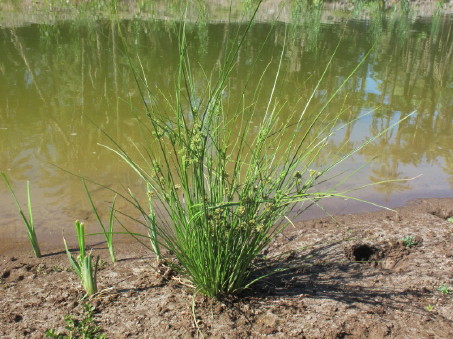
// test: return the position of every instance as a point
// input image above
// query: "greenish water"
(60, 82)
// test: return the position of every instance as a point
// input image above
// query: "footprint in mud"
(14, 318)
(388, 256)
(6, 274)
(16, 273)
(443, 213)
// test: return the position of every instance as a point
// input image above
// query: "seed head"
(240, 210)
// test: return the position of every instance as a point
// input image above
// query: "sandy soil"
(351, 277)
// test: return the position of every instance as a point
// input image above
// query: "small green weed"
(75, 328)
(409, 241)
(27, 221)
(102, 264)
(41, 268)
(450, 220)
(57, 268)
(82, 265)
(444, 289)
(429, 308)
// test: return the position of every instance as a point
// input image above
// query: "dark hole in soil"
(5, 274)
(363, 253)
(17, 318)
(442, 213)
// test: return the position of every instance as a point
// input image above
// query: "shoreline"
(350, 277)
(56, 246)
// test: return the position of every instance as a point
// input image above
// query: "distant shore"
(24, 12)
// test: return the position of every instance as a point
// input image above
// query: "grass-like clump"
(83, 327)
(409, 241)
(83, 264)
(222, 177)
(28, 221)
(445, 289)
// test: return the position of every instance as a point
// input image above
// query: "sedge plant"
(219, 188)
(83, 264)
(28, 221)
(151, 218)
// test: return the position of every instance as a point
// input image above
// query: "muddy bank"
(348, 277)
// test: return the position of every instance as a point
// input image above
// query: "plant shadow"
(326, 273)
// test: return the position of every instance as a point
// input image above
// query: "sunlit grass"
(28, 220)
(219, 188)
(107, 231)
(83, 265)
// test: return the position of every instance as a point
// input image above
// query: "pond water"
(61, 82)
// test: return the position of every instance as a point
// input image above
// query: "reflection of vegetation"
(14, 12)
(388, 172)
(305, 23)
(51, 74)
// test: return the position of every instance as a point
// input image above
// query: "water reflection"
(60, 83)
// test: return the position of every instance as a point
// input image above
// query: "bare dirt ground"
(352, 277)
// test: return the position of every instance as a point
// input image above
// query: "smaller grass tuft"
(429, 308)
(409, 241)
(28, 221)
(444, 289)
(75, 328)
(83, 265)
